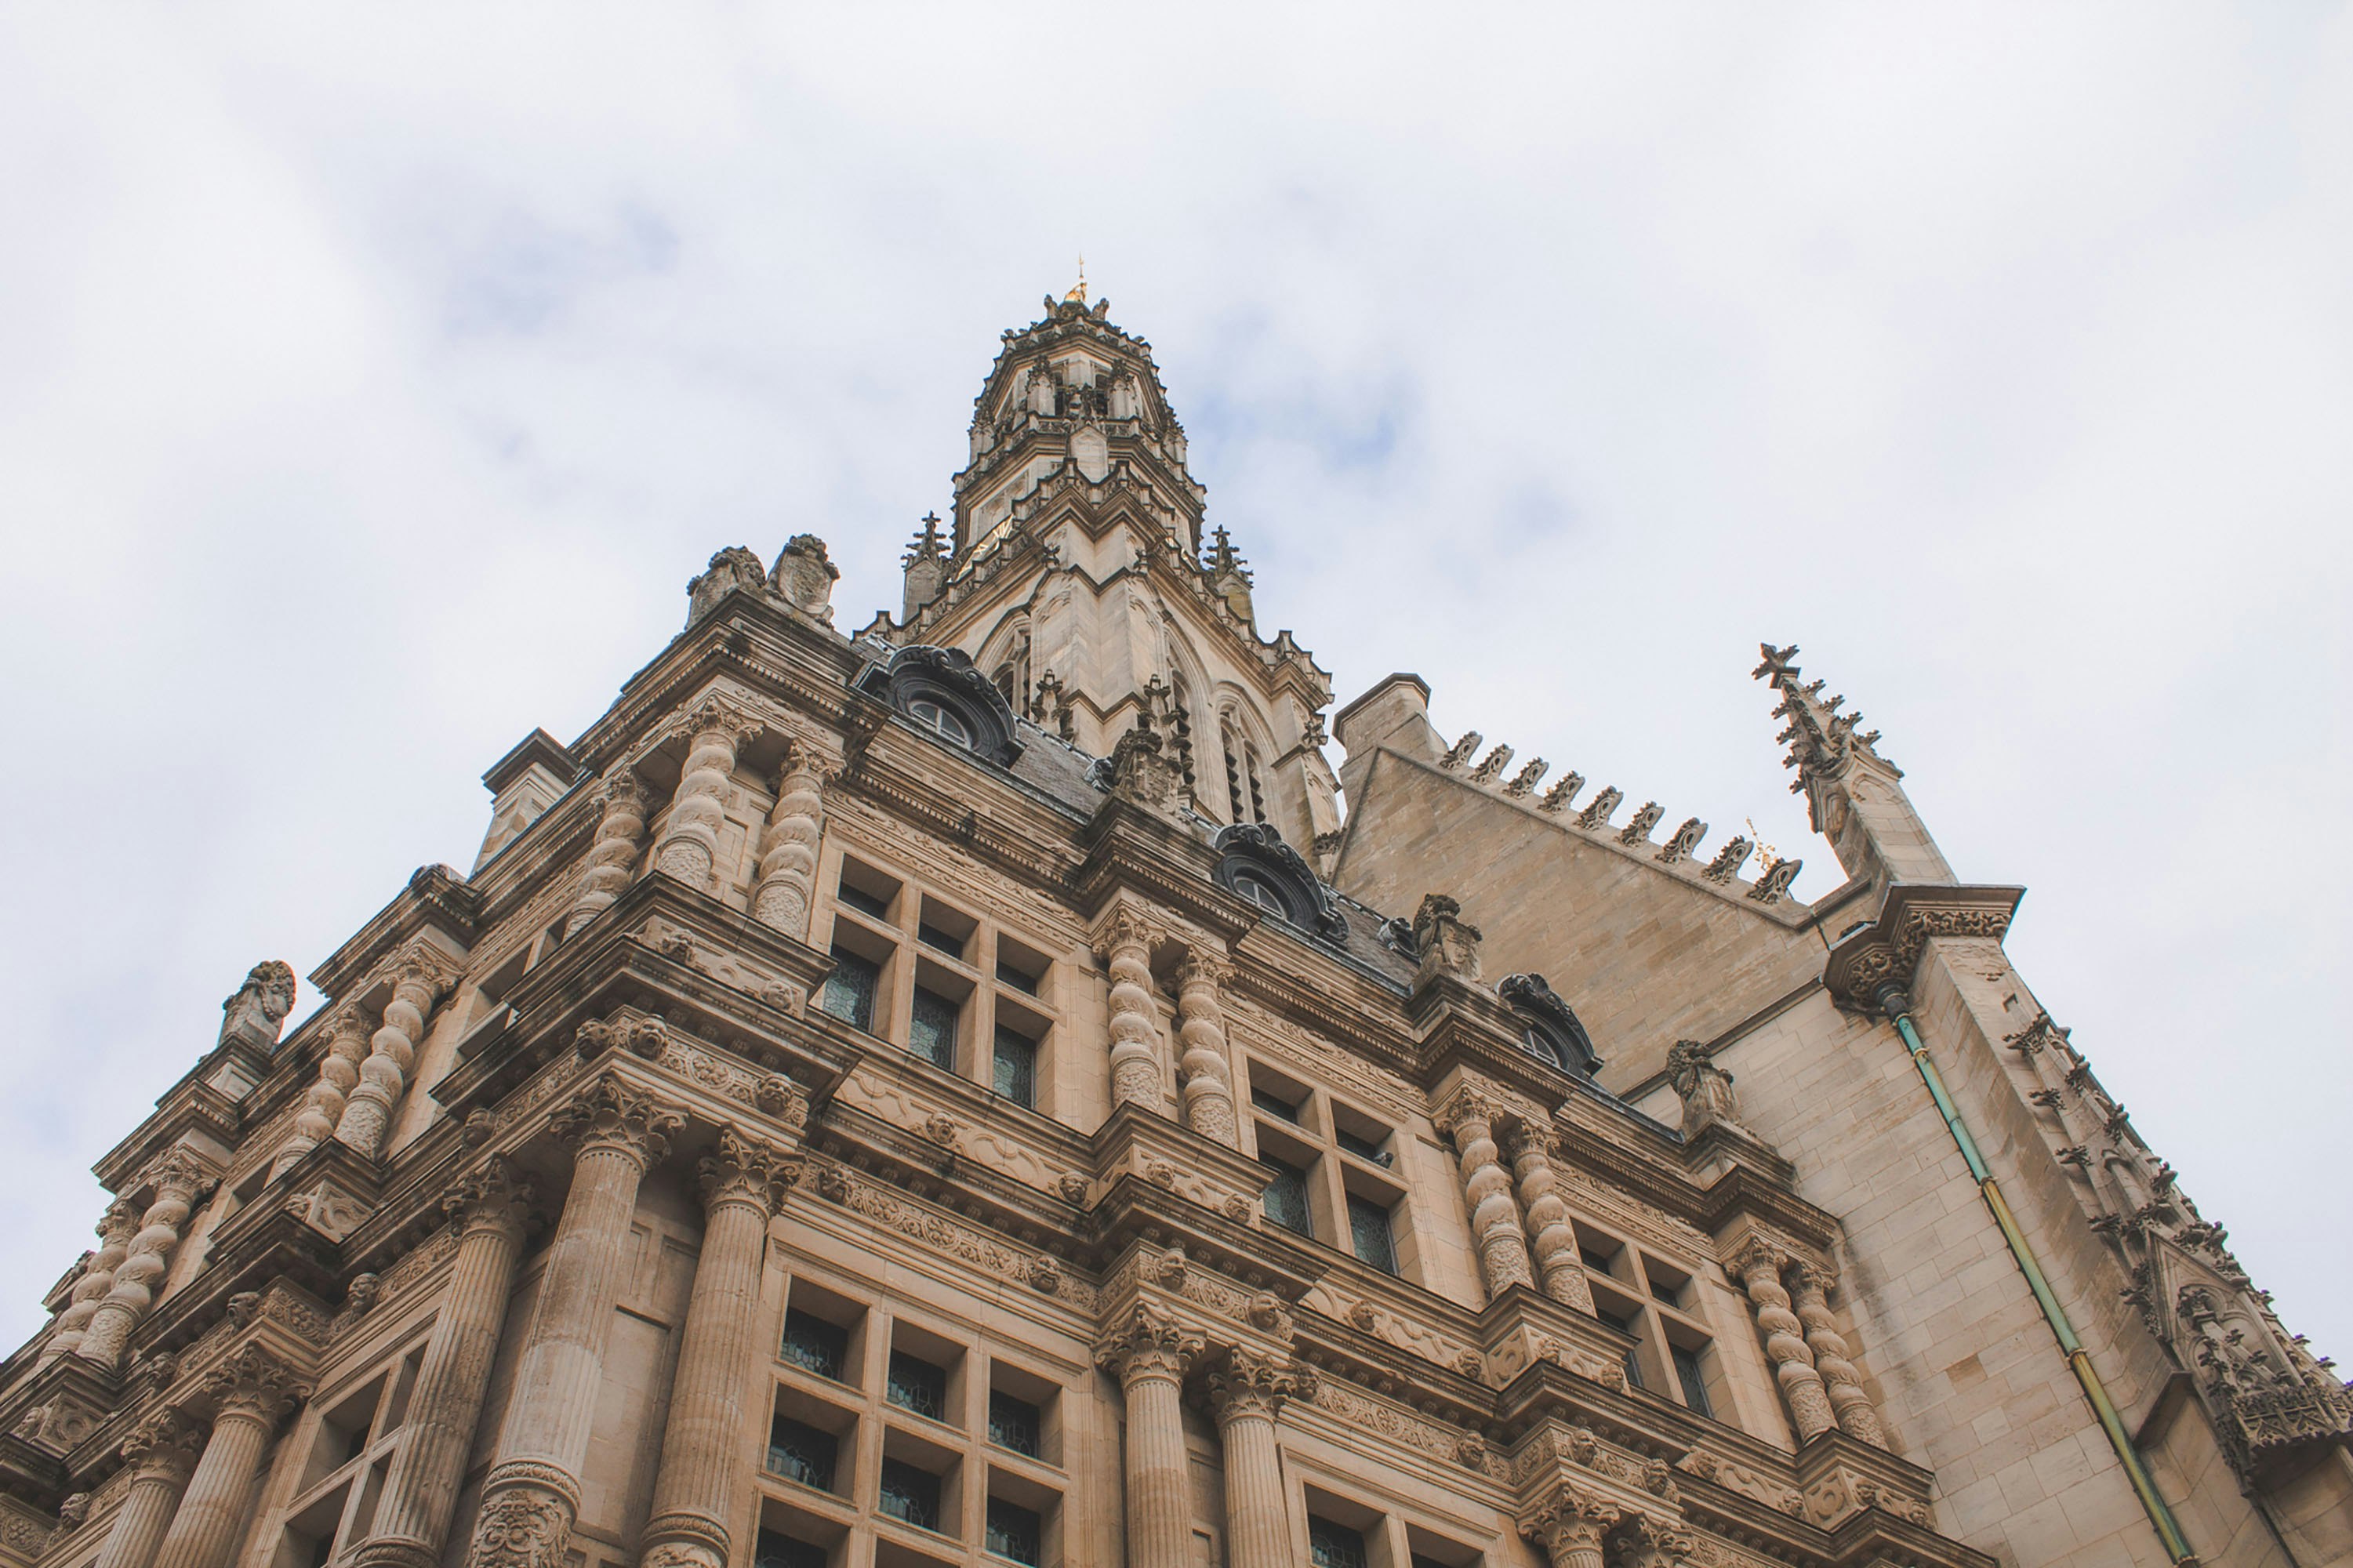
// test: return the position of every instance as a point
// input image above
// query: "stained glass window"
(1013, 1424)
(848, 993)
(931, 1028)
(1368, 1234)
(1014, 1532)
(814, 1345)
(1014, 1073)
(1332, 1545)
(910, 1494)
(1286, 1196)
(802, 1453)
(917, 1385)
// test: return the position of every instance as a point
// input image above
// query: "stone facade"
(962, 1091)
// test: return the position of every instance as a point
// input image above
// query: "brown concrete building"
(964, 1091)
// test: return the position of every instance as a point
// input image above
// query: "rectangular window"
(1015, 1532)
(1687, 1373)
(866, 903)
(1368, 1234)
(931, 1028)
(1333, 1545)
(1361, 1147)
(931, 935)
(802, 1453)
(1275, 1105)
(1013, 1424)
(1014, 1073)
(1286, 1196)
(814, 1345)
(911, 1494)
(848, 993)
(918, 1386)
(1008, 974)
(776, 1549)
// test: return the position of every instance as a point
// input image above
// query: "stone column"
(322, 1103)
(1201, 1030)
(689, 840)
(1126, 952)
(533, 1492)
(162, 1450)
(420, 981)
(420, 1493)
(1570, 1527)
(1150, 1354)
(1550, 1236)
(1648, 1542)
(788, 860)
(179, 1180)
(115, 1229)
(252, 1392)
(744, 1185)
(1247, 1393)
(1469, 1120)
(613, 857)
(1759, 1266)
(1842, 1381)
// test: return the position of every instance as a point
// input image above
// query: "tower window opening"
(1245, 790)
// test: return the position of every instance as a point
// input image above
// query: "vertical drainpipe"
(1897, 1005)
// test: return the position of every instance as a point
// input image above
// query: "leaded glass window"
(801, 1453)
(776, 1549)
(1285, 1197)
(1695, 1384)
(1013, 1424)
(814, 1345)
(1014, 1072)
(848, 993)
(910, 1494)
(1368, 1234)
(917, 1385)
(1014, 1532)
(931, 1028)
(1335, 1545)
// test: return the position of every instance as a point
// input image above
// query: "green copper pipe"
(2079, 1360)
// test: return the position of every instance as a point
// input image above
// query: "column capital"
(177, 1175)
(1149, 1343)
(1247, 1383)
(1647, 1542)
(746, 1170)
(1570, 1520)
(1205, 964)
(610, 1115)
(255, 1385)
(494, 1197)
(1125, 926)
(164, 1446)
(521, 1528)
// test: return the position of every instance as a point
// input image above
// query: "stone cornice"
(436, 900)
(1889, 949)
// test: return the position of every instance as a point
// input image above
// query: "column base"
(526, 1517)
(384, 1552)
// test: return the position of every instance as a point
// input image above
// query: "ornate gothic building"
(965, 1091)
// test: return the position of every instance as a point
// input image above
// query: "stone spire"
(1853, 796)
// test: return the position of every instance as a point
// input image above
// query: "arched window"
(938, 689)
(947, 721)
(1254, 862)
(1012, 676)
(1549, 1030)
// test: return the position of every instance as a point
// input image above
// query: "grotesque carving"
(1447, 944)
(254, 1016)
(733, 568)
(1705, 1087)
(805, 575)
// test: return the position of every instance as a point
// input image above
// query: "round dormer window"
(1260, 892)
(940, 718)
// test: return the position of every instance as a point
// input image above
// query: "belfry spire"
(1853, 796)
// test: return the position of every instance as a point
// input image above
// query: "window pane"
(1368, 1234)
(802, 1453)
(1013, 1424)
(911, 1494)
(1633, 1370)
(931, 935)
(1331, 1545)
(1687, 1373)
(777, 1550)
(1015, 978)
(1015, 1075)
(1274, 1104)
(864, 902)
(814, 1345)
(1286, 1196)
(1014, 1532)
(848, 993)
(931, 1029)
(1362, 1147)
(918, 1386)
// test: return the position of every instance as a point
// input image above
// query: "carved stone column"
(1201, 1029)
(1126, 953)
(421, 980)
(1469, 1120)
(1844, 1383)
(1570, 1527)
(252, 1392)
(162, 1450)
(179, 1180)
(1150, 1354)
(1247, 1393)
(613, 857)
(533, 1492)
(744, 1185)
(421, 1492)
(1648, 1542)
(1759, 1266)
(689, 841)
(1550, 1236)
(115, 1229)
(788, 859)
(322, 1103)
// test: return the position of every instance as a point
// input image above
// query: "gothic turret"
(1853, 796)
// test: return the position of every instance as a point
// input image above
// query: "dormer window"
(1255, 863)
(931, 715)
(1258, 890)
(1549, 1030)
(938, 689)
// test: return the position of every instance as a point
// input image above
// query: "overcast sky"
(369, 391)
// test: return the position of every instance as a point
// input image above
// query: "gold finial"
(1765, 858)
(1078, 294)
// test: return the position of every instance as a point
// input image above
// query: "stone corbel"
(1888, 951)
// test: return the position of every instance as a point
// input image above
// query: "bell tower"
(1075, 571)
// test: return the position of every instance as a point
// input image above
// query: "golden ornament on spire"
(1078, 294)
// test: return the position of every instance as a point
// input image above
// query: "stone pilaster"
(1468, 1117)
(421, 979)
(1550, 1236)
(1569, 1527)
(1840, 1380)
(162, 1450)
(1125, 949)
(613, 857)
(689, 841)
(492, 1208)
(115, 1229)
(744, 1185)
(1150, 1354)
(251, 1394)
(1201, 1031)
(322, 1103)
(533, 1492)
(788, 859)
(1759, 1266)
(1247, 1392)
(179, 1180)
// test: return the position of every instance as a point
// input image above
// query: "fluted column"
(1469, 1120)
(1150, 1354)
(613, 857)
(788, 859)
(115, 1229)
(323, 1101)
(533, 1492)
(1126, 952)
(744, 1185)
(251, 1393)
(422, 977)
(1201, 1031)
(162, 1450)
(412, 1521)
(1570, 1527)
(689, 840)
(1840, 1380)
(1759, 1266)
(1550, 1236)
(178, 1181)
(1247, 1393)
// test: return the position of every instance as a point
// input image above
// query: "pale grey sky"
(370, 386)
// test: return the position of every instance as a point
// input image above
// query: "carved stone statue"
(1142, 772)
(805, 576)
(258, 1010)
(1705, 1087)
(733, 568)
(1447, 944)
